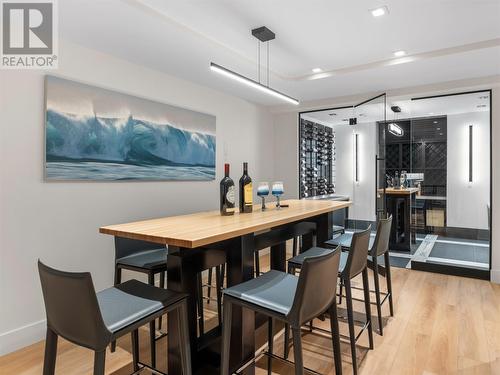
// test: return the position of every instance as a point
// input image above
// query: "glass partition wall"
(435, 149)
(443, 149)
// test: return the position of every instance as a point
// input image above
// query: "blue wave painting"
(133, 138)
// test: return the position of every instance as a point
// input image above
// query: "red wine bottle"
(246, 191)
(227, 193)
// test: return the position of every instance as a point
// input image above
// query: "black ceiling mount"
(396, 109)
(263, 34)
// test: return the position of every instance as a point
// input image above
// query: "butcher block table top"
(393, 191)
(204, 228)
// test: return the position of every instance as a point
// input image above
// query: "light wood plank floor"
(442, 325)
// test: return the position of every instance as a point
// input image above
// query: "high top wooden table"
(199, 241)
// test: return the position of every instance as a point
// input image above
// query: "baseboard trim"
(18, 338)
(495, 276)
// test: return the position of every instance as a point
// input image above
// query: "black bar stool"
(75, 312)
(144, 257)
(151, 258)
(293, 300)
(378, 248)
(295, 232)
(351, 265)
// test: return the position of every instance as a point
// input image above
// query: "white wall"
(466, 205)
(362, 192)
(495, 204)
(286, 157)
(58, 222)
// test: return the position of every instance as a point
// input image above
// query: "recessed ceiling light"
(440, 133)
(333, 114)
(400, 53)
(380, 11)
(317, 70)
(435, 122)
(438, 129)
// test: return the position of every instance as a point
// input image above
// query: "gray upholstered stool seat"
(345, 240)
(132, 301)
(273, 290)
(297, 261)
(148, 259)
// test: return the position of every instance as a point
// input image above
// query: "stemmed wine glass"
(263, 191)
(277, 191)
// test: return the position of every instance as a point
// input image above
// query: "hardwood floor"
(442, 325)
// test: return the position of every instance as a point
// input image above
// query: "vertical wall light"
(356, 160)
(470, 152)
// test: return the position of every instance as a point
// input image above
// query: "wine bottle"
(227, 193)
(246, 192)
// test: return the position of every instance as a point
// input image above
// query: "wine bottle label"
(248, 192)
(230, 195)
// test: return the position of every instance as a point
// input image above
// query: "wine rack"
(316, 159)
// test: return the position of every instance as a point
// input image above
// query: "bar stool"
(151, 258)
(378, 248)
(144, 257)
(295, 233)
(351, 265)
(293, 300)
(86, 318)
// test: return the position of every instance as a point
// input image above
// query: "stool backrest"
(126, 246)
(357, 258)
(381, 243)
(71, 307)
(317, 286)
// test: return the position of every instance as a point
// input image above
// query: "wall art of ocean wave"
(99, 148)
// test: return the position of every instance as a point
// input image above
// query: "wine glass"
(277, 191)
(263, 191)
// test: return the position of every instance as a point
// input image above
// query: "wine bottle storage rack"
(316, 159)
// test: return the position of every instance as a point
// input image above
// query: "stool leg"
(118, 280)
(135, 349)
(366, 290)
(350, 320)
(49, 361)
(184, 339)
(270, 344)
(218, 287)
(99, 362)
(209, 288)
(162, 286)
(226, 336)
(334, 327)
(294, 246)
(389, 281)
(297, 351)
(201, 315)
(286, 344)
(340, 291)
(377, 295)
(152, 329)
(257, 264)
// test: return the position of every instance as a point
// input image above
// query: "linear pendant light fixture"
(263, 34)
(470, 152)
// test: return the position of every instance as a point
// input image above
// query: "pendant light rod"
(250, 82)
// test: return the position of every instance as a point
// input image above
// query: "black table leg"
(181, 277)
(324, 230)
(240, 257)
(278, 257)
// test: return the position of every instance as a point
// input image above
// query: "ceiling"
(410, 109)
(445, 40)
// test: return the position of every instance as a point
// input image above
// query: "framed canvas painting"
(96, 134)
